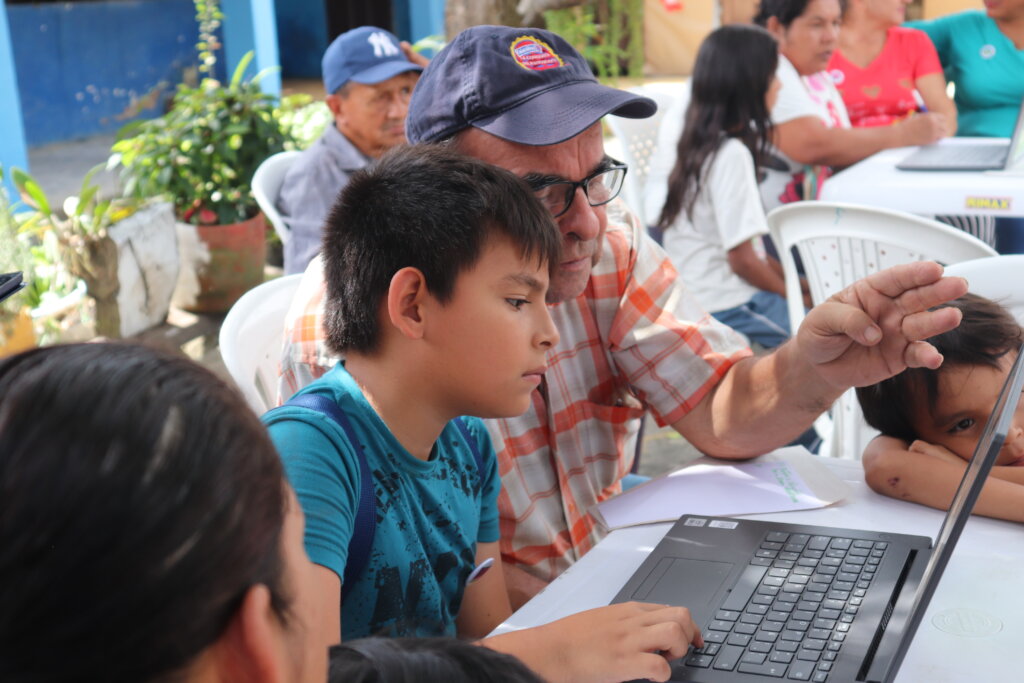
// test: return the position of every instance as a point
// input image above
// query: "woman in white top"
(812, 130)
(713, 210)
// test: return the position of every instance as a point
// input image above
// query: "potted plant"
(202, 155)
(125, 250)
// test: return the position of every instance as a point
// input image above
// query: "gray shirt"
(309, 190)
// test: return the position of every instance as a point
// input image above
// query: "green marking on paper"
(785, 478)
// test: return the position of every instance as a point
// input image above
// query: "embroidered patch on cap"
(533, 54)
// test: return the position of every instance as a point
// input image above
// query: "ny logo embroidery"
(382, 45)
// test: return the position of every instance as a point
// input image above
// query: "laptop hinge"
(869, 657)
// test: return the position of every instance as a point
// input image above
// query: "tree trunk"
(95, 261)
(461, 14)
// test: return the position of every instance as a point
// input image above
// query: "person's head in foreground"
(807, 30)
(733, 89)
(948, 407)
(147, 533)
(428, 244)
(525, 100)
(369, 81)
(409, 660)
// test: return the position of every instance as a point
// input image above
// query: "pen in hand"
(921, 106)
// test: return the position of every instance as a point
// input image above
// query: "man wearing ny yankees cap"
(632, 340)
(369, 79)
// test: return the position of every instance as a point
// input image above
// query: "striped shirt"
(634, 341)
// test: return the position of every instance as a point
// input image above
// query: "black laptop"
(970, 157)
(809, 603)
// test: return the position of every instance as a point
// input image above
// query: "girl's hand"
(940, 452)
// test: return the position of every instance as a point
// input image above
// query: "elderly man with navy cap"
(369, 79)
(632, 341)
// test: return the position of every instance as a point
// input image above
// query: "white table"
(973, 629)
(876, 181)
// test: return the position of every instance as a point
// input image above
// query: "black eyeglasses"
(599, 188)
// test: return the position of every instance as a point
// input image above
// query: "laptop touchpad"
(683, 582)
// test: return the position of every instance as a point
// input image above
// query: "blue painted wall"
(302, 30)
(12, 141)
(250, 25)
(301, 36)
(426, 18)
(90, 67)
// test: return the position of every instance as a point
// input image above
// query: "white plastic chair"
(996, 278)
(251, 338)
(266, 184)
(638, 138)
(842, 243)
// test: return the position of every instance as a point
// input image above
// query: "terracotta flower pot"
(16, 333)
(219, 263)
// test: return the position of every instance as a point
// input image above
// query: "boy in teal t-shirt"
(436, 268)
(412, 583)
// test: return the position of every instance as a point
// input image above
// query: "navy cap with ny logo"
(367, 55)
(524, 85)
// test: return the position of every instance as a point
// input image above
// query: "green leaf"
(87, 196)
(30, 191)
(263, 72)
(243, 64)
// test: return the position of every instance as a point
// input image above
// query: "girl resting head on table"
(146, 530)
(931, 420)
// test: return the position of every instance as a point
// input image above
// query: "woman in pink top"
(885, 72)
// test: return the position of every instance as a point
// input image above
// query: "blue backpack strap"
(365, 524)
(461, 424)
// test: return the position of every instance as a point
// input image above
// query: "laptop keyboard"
(789, 612)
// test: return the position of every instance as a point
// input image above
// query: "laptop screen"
(1015, 158)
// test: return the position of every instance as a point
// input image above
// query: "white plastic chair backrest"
(638, 138)
(997, 278)
(251, 338)
(842, 243)
(266, 185)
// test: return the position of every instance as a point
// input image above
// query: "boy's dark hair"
(426, 207)
(141, 500)
(786, 11)
(986, 334)
(408, 660)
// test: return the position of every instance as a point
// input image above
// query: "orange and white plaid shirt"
(635, 340)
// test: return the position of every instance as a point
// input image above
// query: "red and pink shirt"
(883, 92)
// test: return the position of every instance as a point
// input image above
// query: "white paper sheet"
(786, 479)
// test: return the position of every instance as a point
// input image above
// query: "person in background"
(983, 54)
(369, 79)
(931, 420)
(812, 128)
(713, 211)
(147, 532)
(887, 72)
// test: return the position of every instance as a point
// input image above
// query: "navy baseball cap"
(365, 55)
(523, 85)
